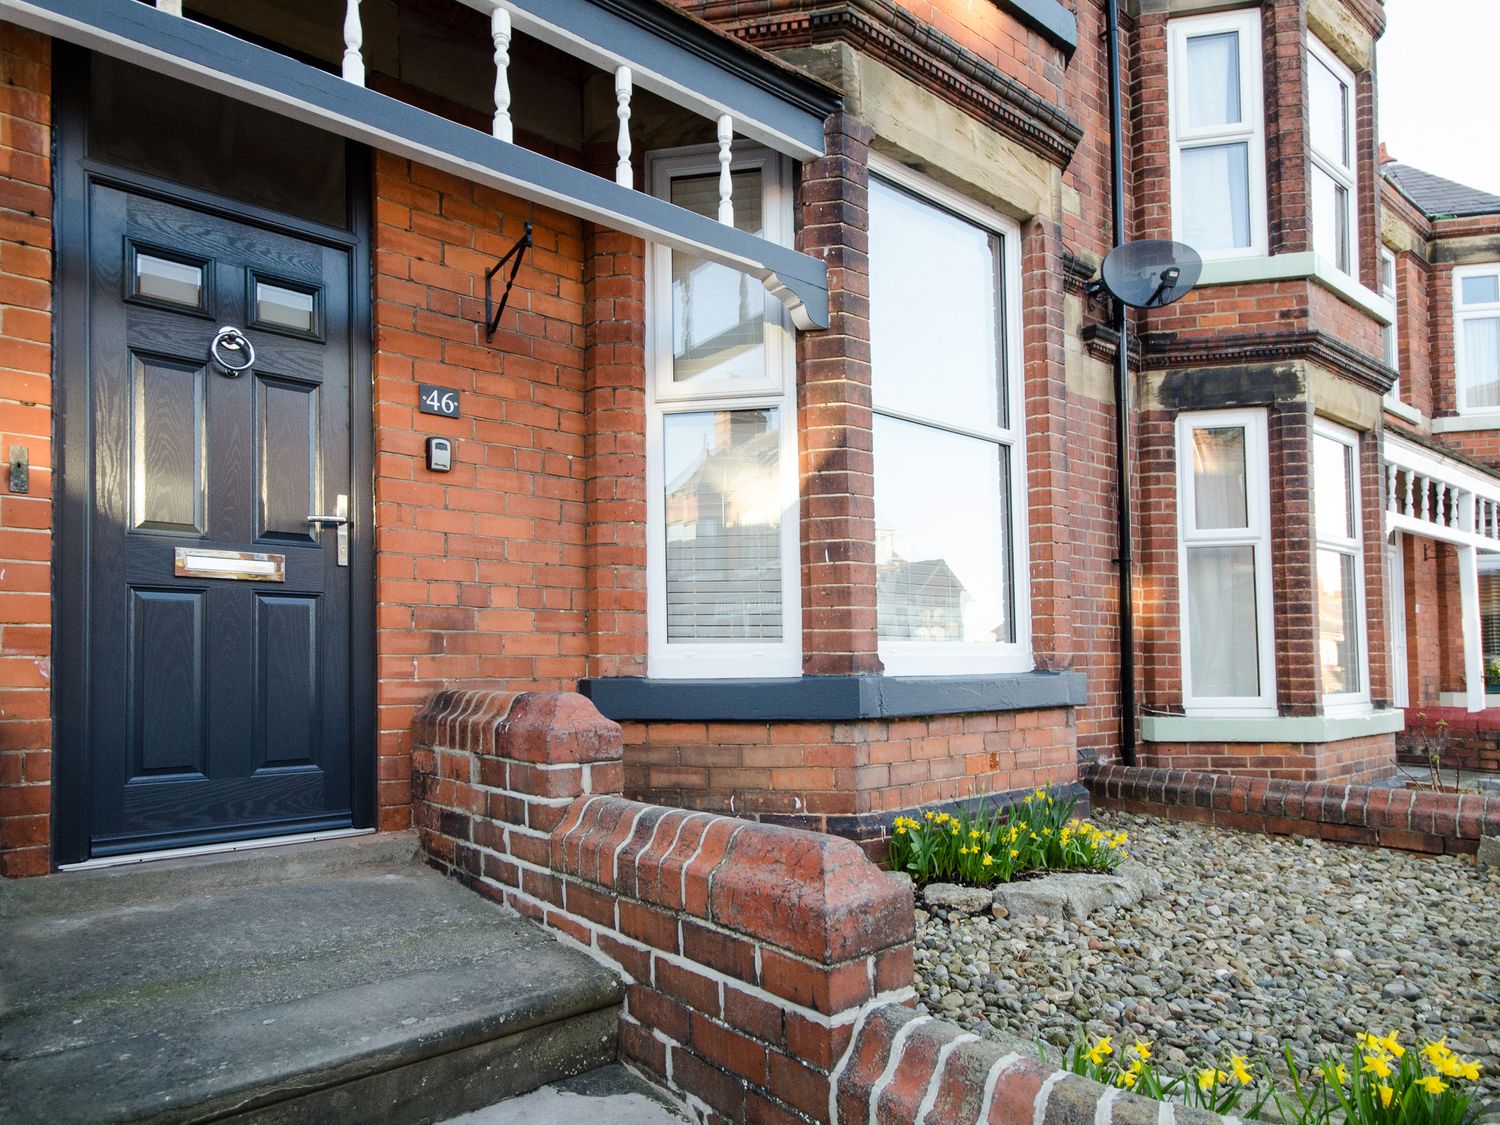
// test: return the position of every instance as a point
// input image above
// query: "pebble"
(1257, 943)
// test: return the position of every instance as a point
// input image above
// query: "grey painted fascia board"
(205, 57)
(829, 698)
(687, 63)
(1047, 16)
(1270, 728)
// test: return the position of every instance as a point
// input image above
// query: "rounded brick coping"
(814, 895)
(1361, 814)
(542, 727)
(902, 1067)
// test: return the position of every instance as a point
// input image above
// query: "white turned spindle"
(171, 7)
(1390, 488)
(1426, 498)
(623, 175)
(726, 184)
(1411, 509)
(354, 41)
(500, 33)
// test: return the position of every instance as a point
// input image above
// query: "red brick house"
(793, 447)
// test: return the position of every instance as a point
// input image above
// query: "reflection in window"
(1336, 522)
(1219, 497)
(723, 526)
(163, 279)
(943, 437)
(1330, 119)
(718, 313)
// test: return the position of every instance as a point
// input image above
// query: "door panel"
(218, 707)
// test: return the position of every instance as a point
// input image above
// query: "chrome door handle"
(340, 520)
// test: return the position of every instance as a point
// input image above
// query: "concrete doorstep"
(320, 983)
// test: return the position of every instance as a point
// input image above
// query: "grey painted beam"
(210, 59)
(687, 63)
(830, 698)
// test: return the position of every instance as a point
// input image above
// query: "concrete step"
(340, 981)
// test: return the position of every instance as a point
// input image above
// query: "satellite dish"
(1151, 273)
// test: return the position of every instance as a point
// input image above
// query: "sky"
(1440, 88)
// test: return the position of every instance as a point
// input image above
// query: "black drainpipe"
(1122, 405)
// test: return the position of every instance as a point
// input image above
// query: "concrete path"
(609, 1096)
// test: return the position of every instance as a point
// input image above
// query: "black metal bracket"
(492, 311)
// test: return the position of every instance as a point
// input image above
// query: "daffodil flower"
(1432, 1052)
(1468, 1069)
(1389, 1044)
(1127, 1079)
(1386, 1095)
(1341, 1074)
(1143, 1048)
(1238, 1069)
(1208, 1076)
(1432, 1084)
(1100, 1050)
(1378, 1065)
(988, 859)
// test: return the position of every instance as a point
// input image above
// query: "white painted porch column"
(501, 128)
(623, 86)
(1468, 583)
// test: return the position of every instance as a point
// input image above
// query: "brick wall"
(1350, 813)
(1466, 740)
(1351, 759)
(766, 969)
(850, 778)
(26, 420)
(480, 573)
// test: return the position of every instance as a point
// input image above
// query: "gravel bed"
(1256, 941)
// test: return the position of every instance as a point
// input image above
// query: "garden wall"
(1469, 740)
(1356, 814)
(766, 967)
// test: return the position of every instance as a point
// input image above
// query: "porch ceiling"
(213, 60)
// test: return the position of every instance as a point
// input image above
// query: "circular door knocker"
(232, 351)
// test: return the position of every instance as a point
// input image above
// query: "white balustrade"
(354, 41)
(171, 7)
(726, 183)
(623, 175)
(501, 128)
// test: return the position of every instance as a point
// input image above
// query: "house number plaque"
(437, 400)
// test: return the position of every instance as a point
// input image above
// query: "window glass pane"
(1213, 80)
(1489, 622)
(1388, 291)
(1333, 498)
(942, 537)
(718, 314)
(1219, 487)
(164, 280)
(1338, 623)
(1481, 362)
(1483, 289)
(1328, 111)
(285, 308)
(1216, 197)
(1223, 644)
(934, 309)
(1330, 219)
(723, 520)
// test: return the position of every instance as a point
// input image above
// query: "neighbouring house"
(793, 445)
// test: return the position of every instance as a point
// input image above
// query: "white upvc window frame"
(1391, 335)
(939, 658)
(1256, 534)
(1461, 314)
(777, 391)
(1251, 131)
(1355, 701)
(1345, 175)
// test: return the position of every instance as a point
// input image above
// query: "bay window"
(1331, 142)
(1476, 337)
(950, 509)
(1223, 498)
(1216, 126)
(1339, 567)
(722, 561)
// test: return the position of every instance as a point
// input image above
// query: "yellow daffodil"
(1100, 1050)
(1127, 1079)
(929, 814)
(1434, 1051)
(901, 831)
(974, 833)
(1237, 1067)
(1390, 1045)
(1468, 1070)
(1386, 1094)
(1432, 1084)
(1378, 1065)
(988, 859)
(1208, 1076)
(1143, 1048)
(1341, 1074)
(1014, 853)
